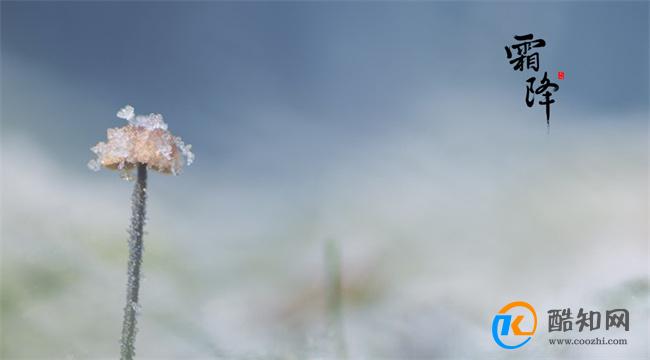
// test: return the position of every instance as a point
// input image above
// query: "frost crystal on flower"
(145, 140)
(126, 113)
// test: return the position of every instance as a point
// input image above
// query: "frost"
(164, 146)
(126, 113)
(186, 150)
(145, 140)
(118, 139)
(151, 121)
(136, 307)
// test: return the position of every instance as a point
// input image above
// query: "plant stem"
(334, 298)
(138, 204)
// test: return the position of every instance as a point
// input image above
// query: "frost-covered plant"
(145, 143)
(145, 140)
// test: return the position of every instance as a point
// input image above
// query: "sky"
(396, 130)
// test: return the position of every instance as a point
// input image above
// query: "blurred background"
(368, 181)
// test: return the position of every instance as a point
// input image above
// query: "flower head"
(144, 140)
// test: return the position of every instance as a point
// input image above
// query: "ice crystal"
(151, 121)
(136, 307)
(126, 113)
(144, 140)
